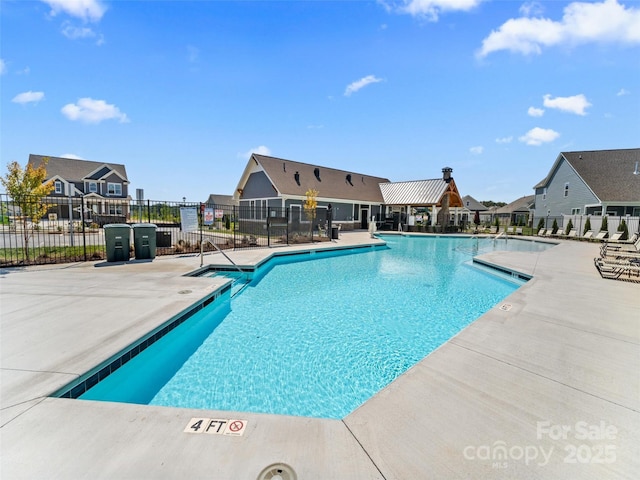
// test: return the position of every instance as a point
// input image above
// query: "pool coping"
(410, 428)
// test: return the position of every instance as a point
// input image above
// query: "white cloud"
(623, 92)
(261, 150)
(72, 156)
(358, 84)
(430, 9)
(72, 32)
(28, 97)
(504, 140)
(86, 10)
(603, 22)
(88, 110)
(574, 104)
(535, 112)
(476, 150)
(3, 67)
(537, 136)
(531, 9)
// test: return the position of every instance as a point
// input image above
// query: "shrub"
(554, 228)
(587, 225)
(540, 225)
(569, 227)
(624, 229)
(605, 224)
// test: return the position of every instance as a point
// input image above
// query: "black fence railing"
(37, 231)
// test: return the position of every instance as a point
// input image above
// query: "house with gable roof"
(435, 201)
(591, 183)
(104, 186)
(270, 182)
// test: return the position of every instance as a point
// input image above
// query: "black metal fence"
(37, 231)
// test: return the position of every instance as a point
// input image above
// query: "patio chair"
(616, 237)
(322, 232)
(626, 270)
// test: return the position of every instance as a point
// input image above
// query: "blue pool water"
(316, 337)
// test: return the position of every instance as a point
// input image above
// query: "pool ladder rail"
(243, 275)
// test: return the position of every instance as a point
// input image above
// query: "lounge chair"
(616, 237)
(549, 232)
(627, 270)
(588, 234)
(602, 234)
(541, 232)
(572, 233)
(493, 230)
(518, 231)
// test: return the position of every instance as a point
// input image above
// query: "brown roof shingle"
(329, 182)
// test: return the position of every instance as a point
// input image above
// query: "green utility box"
(144, 241)
(118, 239)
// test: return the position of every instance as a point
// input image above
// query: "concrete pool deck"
(544, 385)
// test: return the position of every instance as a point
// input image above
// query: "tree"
(554, 227)
(624, 229)
(605, 224)
(587, 225)
(569, 227)
(27, 188)
(310, 206)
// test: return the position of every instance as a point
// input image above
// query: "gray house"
(592, 183)
(517, 212)
(270, 182)
(103, 186)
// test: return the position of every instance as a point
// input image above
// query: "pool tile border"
(89, 379)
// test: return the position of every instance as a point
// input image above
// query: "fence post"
(235, 224)
(148, 211)
(286, 213)
(84, 233)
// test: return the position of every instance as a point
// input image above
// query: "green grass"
(57, 254)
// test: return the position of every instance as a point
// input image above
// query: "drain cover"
(277, 471)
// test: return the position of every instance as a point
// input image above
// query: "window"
(252, 211)
(115, 209)
(114, 189)
(356, 212)
(575, 211)
(544, 193)
(93, 187)
(263, 214)
(58, 186)
(566, 189)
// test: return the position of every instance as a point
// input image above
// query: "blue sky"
(182, 91)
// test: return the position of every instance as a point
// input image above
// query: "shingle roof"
(522, 204)
(473, 204)
(417, 192)
(608, 173)
(329, 182)
(220, 200)
(71, 169)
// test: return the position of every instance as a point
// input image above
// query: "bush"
(569, 227)
(587, 225)
(624, 229)
(554, 227)
(605, 224)
(540, 225)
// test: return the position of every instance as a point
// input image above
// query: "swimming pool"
(316, 337)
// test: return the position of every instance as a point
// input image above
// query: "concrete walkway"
(545, 385)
